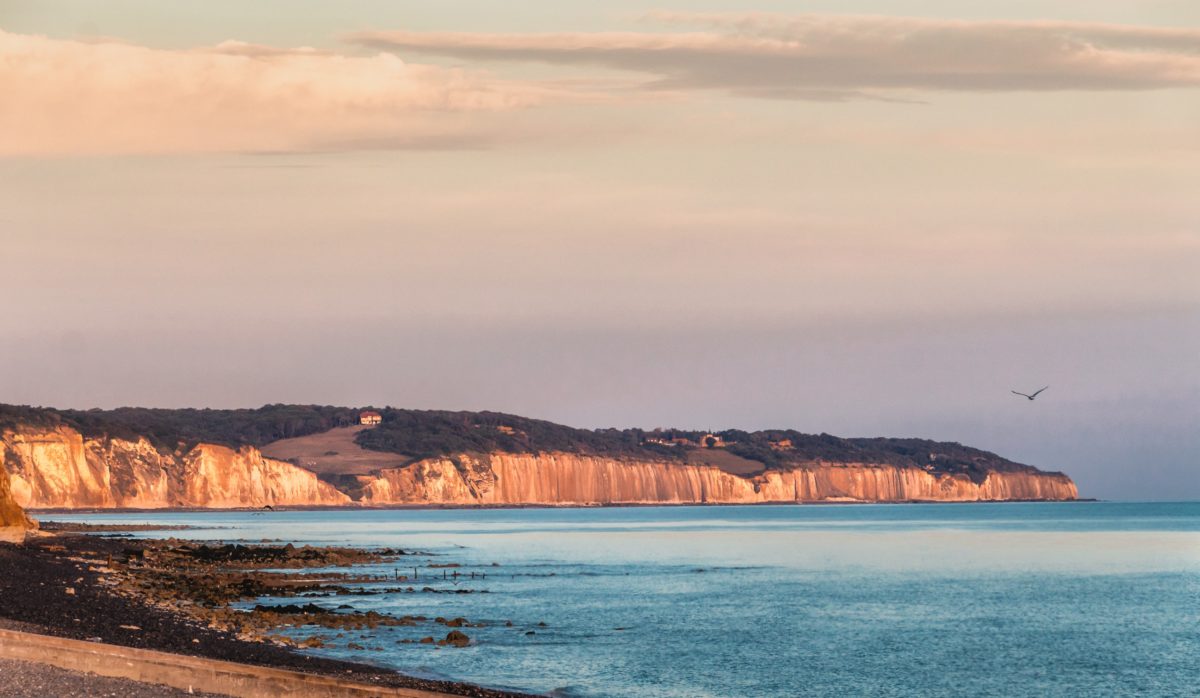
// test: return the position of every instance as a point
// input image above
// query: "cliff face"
(13, 521)
(58, 468)
(559, 478)
(219, 477)
(52, 468)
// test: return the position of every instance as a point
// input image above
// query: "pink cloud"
(823, 56)
(75, 97)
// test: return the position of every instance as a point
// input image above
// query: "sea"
(1005, 599)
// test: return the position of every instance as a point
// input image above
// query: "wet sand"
(58, 586)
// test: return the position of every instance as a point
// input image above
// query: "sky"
(860, 217)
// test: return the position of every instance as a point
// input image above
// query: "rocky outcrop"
(14, 524)
(58, 468)
(567, 479)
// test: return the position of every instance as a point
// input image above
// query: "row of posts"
(445, 574)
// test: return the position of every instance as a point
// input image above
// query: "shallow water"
(1045, 599)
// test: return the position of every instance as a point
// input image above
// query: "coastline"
(56, 585)
(52, 511)
(617, 623)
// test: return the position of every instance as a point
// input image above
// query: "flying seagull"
(1030, 396)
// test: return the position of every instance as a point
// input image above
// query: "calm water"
(1066, 599)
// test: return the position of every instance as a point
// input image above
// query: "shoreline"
(501, 507)
(59, 586)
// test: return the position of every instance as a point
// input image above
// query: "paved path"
(29, 680)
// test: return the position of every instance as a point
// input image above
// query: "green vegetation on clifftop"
(431, 433)
(169, 429)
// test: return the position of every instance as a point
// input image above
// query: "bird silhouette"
(1029, 396)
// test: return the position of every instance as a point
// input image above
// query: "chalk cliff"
(13, 521)
(561, 478)
(58, 468)
(52, 468)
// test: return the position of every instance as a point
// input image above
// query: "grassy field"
(720, 458)
(333, 452)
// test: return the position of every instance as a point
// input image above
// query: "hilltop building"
(370, 418)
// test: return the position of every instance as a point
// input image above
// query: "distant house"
(370, 417)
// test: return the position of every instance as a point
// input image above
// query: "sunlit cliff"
(13, 521)
(59, 468)
(560, 478)
(52, 468)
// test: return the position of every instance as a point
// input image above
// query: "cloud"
(241, 48)
(831, 56)
(105, 97)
